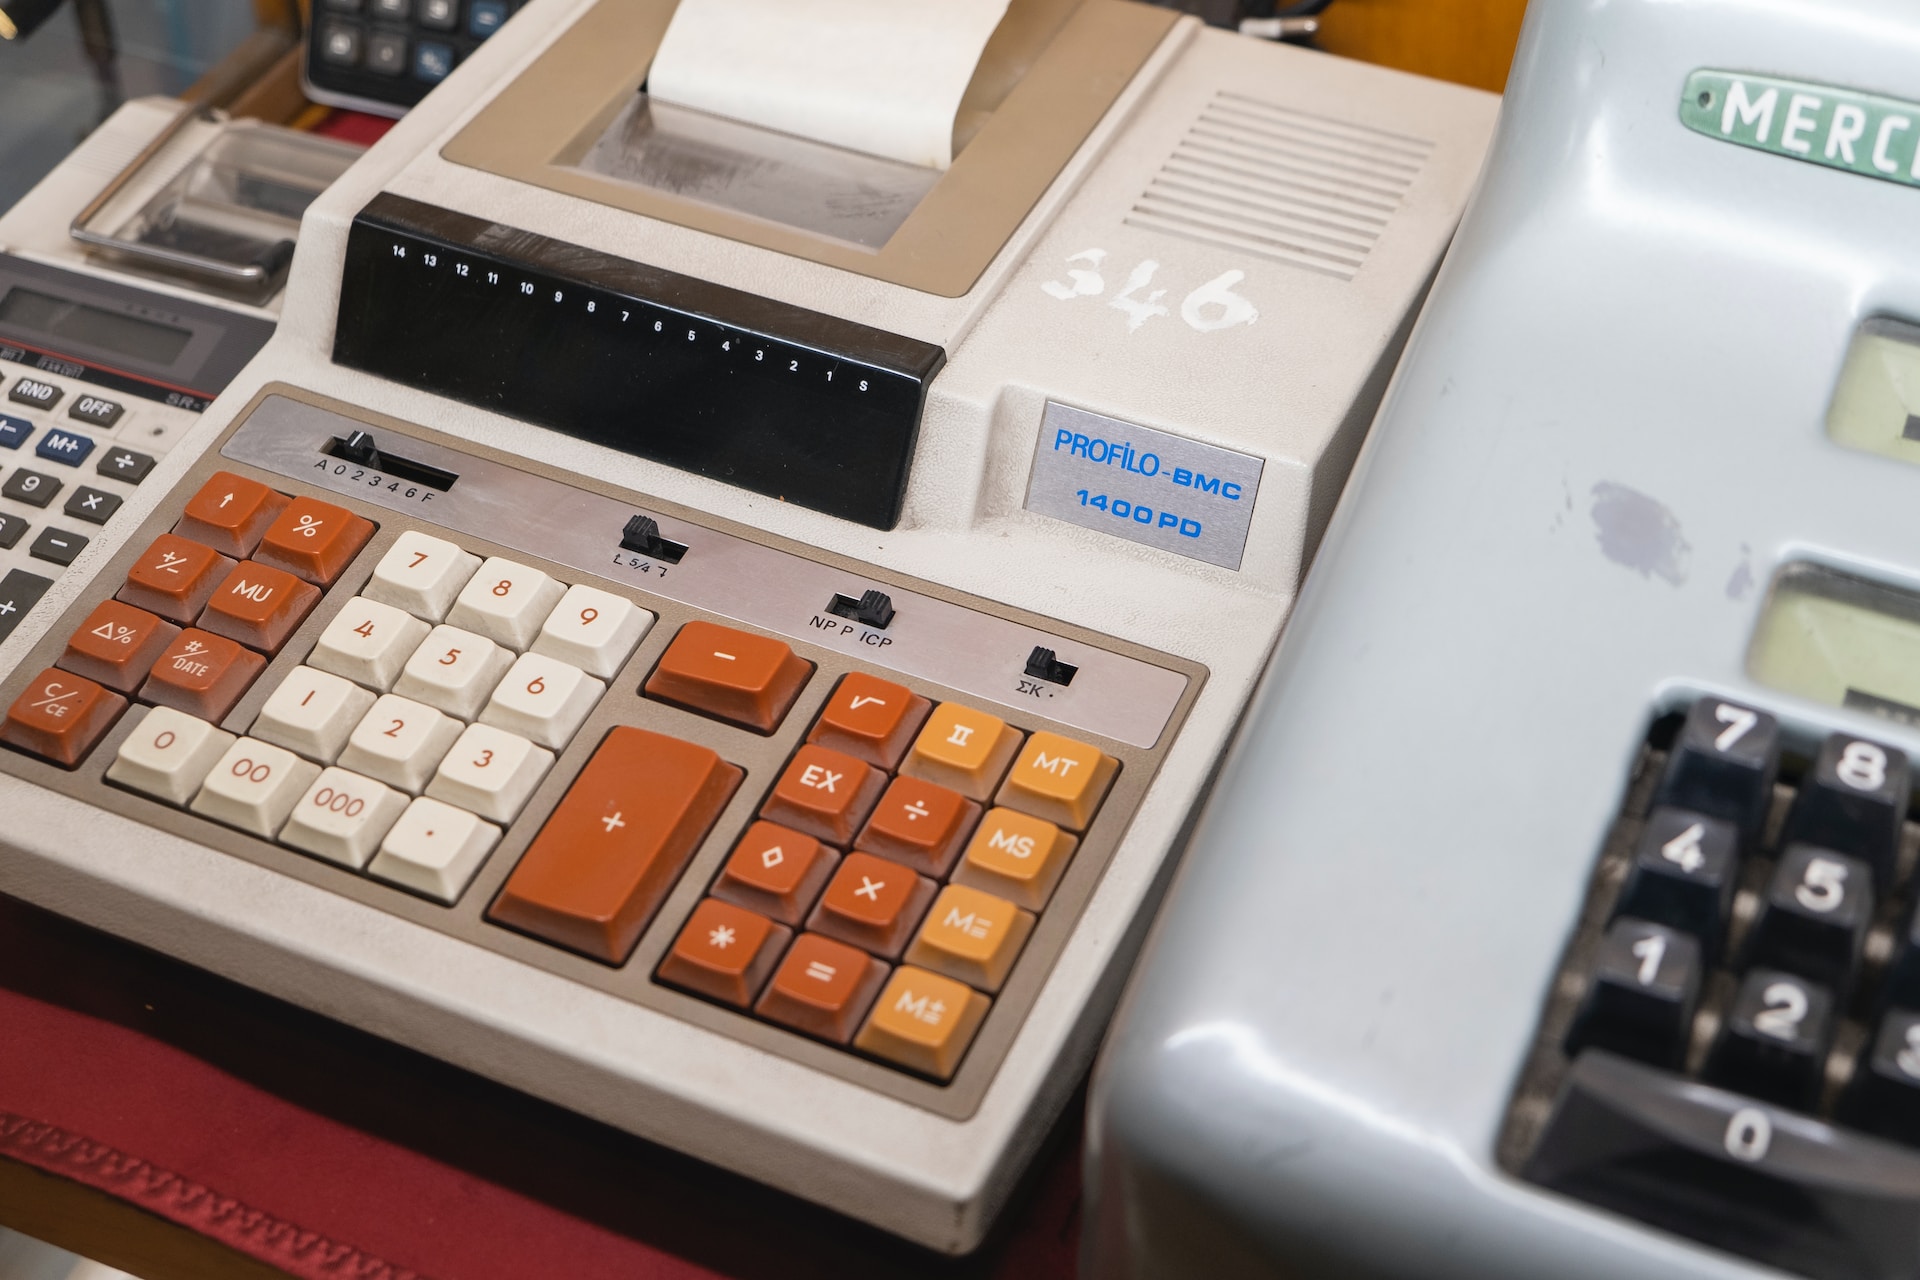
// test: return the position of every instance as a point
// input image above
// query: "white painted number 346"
(1211, 307)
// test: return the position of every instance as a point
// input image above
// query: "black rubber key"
(1642, 996)
(1783, 1189)
(1723, 764)
(1854, 799)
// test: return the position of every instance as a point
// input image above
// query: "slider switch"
(358, 447)
(873, 609)
(1042, 665)
(642, 534)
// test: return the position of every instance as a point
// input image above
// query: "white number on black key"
(1749, 1134)
(1650, 950)
(1684, 849)
(1785, 1008)
(1737, 719)
(1863, 766)
(1824, 886)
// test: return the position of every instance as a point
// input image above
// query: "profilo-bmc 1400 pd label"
(1150, 486)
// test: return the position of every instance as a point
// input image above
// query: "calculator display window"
(35, 312)
(1876, 406)
(1842, 641)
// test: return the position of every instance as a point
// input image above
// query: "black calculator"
(382, 56)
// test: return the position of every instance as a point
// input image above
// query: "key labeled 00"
(1141, 513)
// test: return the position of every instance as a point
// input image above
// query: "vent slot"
(1282, 184)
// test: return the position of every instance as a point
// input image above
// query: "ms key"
(1780, 1188)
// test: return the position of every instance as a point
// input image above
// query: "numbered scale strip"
(796, 404)
(1732, 1048)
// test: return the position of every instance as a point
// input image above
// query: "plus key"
(620, 837)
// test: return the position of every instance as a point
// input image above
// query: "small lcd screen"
(1841, 640)
(93, 326)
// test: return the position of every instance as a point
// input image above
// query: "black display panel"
(791, 403)
(121, 337)
(62, 318)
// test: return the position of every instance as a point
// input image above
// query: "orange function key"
(59, 716)
(230, 513)
(620, 837)
(920, 824)
(971, 936)
(731, 675)
(259, 606)
(116, 645)
(1060, 780)
(872, 903)
(776, 871)
(822, 988)
(173, 577)
(964, 749)
(870, 719)
(724, 952)
(201, 674)
(923, 1022)
(824, 794)
(1017, 856)
(313, 540)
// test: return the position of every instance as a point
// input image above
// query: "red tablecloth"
(332, 1154)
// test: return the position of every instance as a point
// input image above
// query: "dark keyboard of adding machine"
(1732, 1050)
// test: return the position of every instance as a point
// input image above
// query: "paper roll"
(880, 76)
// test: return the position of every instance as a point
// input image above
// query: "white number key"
(543, 699)
(491, 772)
(312, 712)
(506, 602)
(253, 786)
(453, 670)
(434, 849)
(367, 642)
(342, 817)
(169, 755)
(422, 575)
(594, 630)
(400, 741)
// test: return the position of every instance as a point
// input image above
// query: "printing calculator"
(734, 660)
(1555, 914)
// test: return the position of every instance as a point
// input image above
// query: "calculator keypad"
(725, 826)
(872, 861)
(1732, 1048)
(63, 475)
(393, 51)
